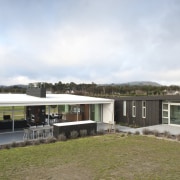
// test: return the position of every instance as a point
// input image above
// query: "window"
(133, 108)
(96, 112)
(165, 113)
(15, 113)
(143, 109)
(124, 108)
(165, 106)
(175, 114)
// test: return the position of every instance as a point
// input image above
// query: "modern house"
(38, 108)
(148, 110)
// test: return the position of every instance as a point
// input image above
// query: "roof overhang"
(50, 99)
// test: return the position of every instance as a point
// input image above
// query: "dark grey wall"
(36, 91)
(153, 113)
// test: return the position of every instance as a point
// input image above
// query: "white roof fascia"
(51, 99)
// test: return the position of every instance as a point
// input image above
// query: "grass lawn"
(97, 157)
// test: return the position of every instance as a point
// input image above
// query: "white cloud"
(73, 46)
(18, 79)
(90, 41)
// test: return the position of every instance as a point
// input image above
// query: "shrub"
(51, 140)
(42, 141)
(62, 137)
(14, 144)
(83, 132)
(156, 133)
(178, 137)
(129, 133)
(36, 142)
(21, 144)
(74, 134)
(101, 132)
(146, 131)
(1, 146)
(167, 134)
(122, 135)
(137, 133)
(92, 133)
(27, 143)
(6, 146)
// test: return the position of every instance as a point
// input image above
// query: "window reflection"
(175, 114)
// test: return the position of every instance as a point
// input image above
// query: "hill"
(134, 83)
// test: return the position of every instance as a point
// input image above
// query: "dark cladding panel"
(36, 89)
(67, 128)
(153, 112)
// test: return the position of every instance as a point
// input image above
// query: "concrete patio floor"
(9, 137)
(174, 130)
(17, 136)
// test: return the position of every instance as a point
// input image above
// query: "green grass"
(97, 157)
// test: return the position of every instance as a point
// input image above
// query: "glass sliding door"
(96, 112)
(175, 114)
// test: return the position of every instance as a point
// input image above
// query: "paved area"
(17, 136)
(174, 130)
(9, 137)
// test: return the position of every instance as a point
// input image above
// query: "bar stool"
(51, 130)
(47, 132)
(27, 134)
(40, 133)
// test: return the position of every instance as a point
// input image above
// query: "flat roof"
(150, 98)
(50, 99)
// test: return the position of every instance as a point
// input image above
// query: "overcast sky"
(84, 41)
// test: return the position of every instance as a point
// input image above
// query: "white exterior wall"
(108, 113)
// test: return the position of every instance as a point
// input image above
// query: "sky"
(85, 41)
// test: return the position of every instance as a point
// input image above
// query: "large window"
(171, 113)
(124, 108)
(133, 108)
(143, 109)
(96, 112)
(175, 114)
(9, 113)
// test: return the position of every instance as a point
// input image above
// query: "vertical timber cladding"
(153, 112)
(86, 112)
(117, 111)
(160, 111)
(129, 119)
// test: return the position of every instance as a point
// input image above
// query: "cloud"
(79, 46)
(90, 41)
